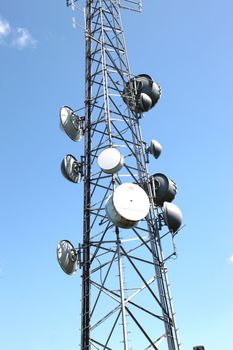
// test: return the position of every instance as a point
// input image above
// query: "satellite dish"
(71, 123)
(146, 85)
(155, 148)
(144, 102)
(165, 188)
(172, 216)
(67, 257)
(71, 169)
(127, 205)
(147, 93)
(110, 160)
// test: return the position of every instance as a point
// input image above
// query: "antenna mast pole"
(124, 279)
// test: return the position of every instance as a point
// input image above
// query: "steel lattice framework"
(126, 302)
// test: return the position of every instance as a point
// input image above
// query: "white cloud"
(231, 259)
(5, 29)
(23, 38)
(18, 37)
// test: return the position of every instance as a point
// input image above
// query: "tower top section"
(132, 5)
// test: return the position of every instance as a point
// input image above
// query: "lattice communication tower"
(128, 217)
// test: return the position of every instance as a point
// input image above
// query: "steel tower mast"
(128, 215)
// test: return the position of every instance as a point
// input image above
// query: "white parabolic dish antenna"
(70, 169)
(110, 160)
(172, 216)
(70, 123)
(67, 257)
(127, 205)
(155, 148)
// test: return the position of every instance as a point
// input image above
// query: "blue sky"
(187, 47)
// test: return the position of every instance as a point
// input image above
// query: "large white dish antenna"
(67, 257)
(110, 160)
(172, 216)
(71, 123)
(127, 205)
(70, 169)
